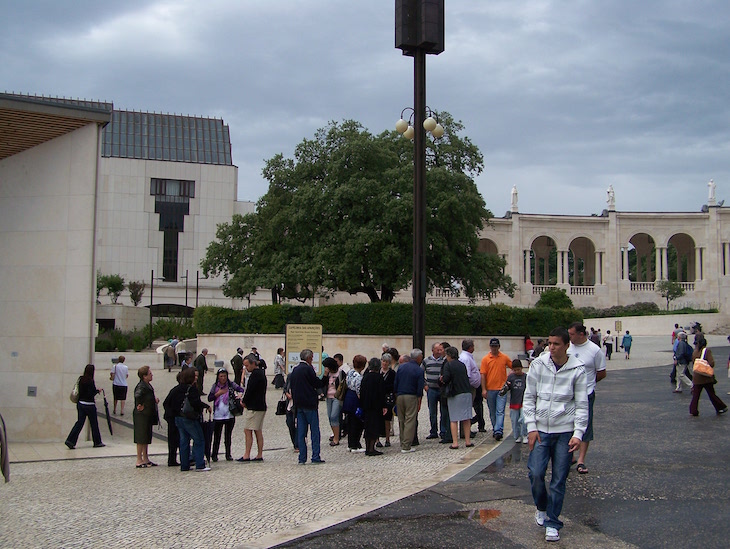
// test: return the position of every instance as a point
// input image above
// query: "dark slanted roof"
(167, 137)
(29, 120)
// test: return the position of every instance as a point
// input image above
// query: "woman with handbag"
(388, 375)
(332, 380)
(226, 406)
(186, 399)
(455, 383)
(145, 415)
(86, 407)
(703, 377)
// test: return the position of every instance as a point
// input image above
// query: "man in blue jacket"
(408, 389)
(304, 385)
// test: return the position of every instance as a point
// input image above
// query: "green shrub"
(385, 319)
(139, 342)
(103, 345)
(555, 298)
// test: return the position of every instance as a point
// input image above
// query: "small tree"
(555, 298)
(136, 291)
(669, 290)
(100, 283)
(114, 286)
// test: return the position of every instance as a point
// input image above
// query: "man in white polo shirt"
(594, 362)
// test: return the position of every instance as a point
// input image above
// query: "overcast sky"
(562, 97)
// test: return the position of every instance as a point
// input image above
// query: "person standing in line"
(555, 407)
(86, 407)
(237, 365)
(455, 381)
(170, 413)
(190, 428)
(372, 398)
(304, 385)
(351, 403)
(626, 342)
(594, 365)
(408, 387)
(201, 366)
(331, 380)
(145, 416)
(432, 369)
(493, 377)
(388, 375)
(700, 381)
(254, 404)
(119, 384)
(475, 380)
(223, 420)
(444, 404)
(608, 344)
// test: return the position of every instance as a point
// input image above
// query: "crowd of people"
(551, 405)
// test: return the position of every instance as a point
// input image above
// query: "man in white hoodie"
(555, 408)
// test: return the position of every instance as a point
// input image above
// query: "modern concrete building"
(84, 188)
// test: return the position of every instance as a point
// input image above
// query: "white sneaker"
(524, 440)
(552, 534)
(408, 451)
(357, 450)
(202, 470)
(540, 517)
(518, 439)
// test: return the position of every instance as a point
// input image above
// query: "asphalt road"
(657, 478)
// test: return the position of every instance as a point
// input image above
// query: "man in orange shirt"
(494, 375)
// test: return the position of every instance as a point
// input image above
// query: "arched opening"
(642, 258)
(582, 262)
(543, 262)
(681, 258)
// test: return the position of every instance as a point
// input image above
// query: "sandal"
(333, 443)
(151, 464)
(582, 469)
(470, 445)
(453, 447)
(142, 466)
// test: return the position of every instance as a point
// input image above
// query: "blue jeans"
(519, 429)
(496, 406)
(334, 407)
(308, 417)
(190, 429)
(434, 396)
(551, 447)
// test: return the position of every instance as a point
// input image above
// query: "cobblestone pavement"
(81, 499)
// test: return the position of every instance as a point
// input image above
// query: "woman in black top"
(372, 401)
(145, 415)
(189, 428)
(86, 407)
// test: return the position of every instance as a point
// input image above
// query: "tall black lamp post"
(419, 30)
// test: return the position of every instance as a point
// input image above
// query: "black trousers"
(173, 441)
(218, 426)
(354, 431)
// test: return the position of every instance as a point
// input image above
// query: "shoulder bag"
(341, 390)
(187, 410)
(701, 366)
(74, 396)
(234, 403)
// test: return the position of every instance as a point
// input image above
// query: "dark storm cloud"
(563, 98)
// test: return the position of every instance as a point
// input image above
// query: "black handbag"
(235, 406)
(281, 406)
(187, 410)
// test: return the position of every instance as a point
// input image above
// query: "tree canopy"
(339, 217)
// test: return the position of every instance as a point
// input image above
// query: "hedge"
(384, 319)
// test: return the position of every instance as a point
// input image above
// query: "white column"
(657, 264)
(526, 263)
(665, 267)
(625, 261)
(597, 275)
(698, 262)
(559, 278)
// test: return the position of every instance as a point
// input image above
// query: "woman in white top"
(120, 373)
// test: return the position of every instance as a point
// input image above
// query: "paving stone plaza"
(96, 498)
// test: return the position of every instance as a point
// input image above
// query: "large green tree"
(339, 217)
